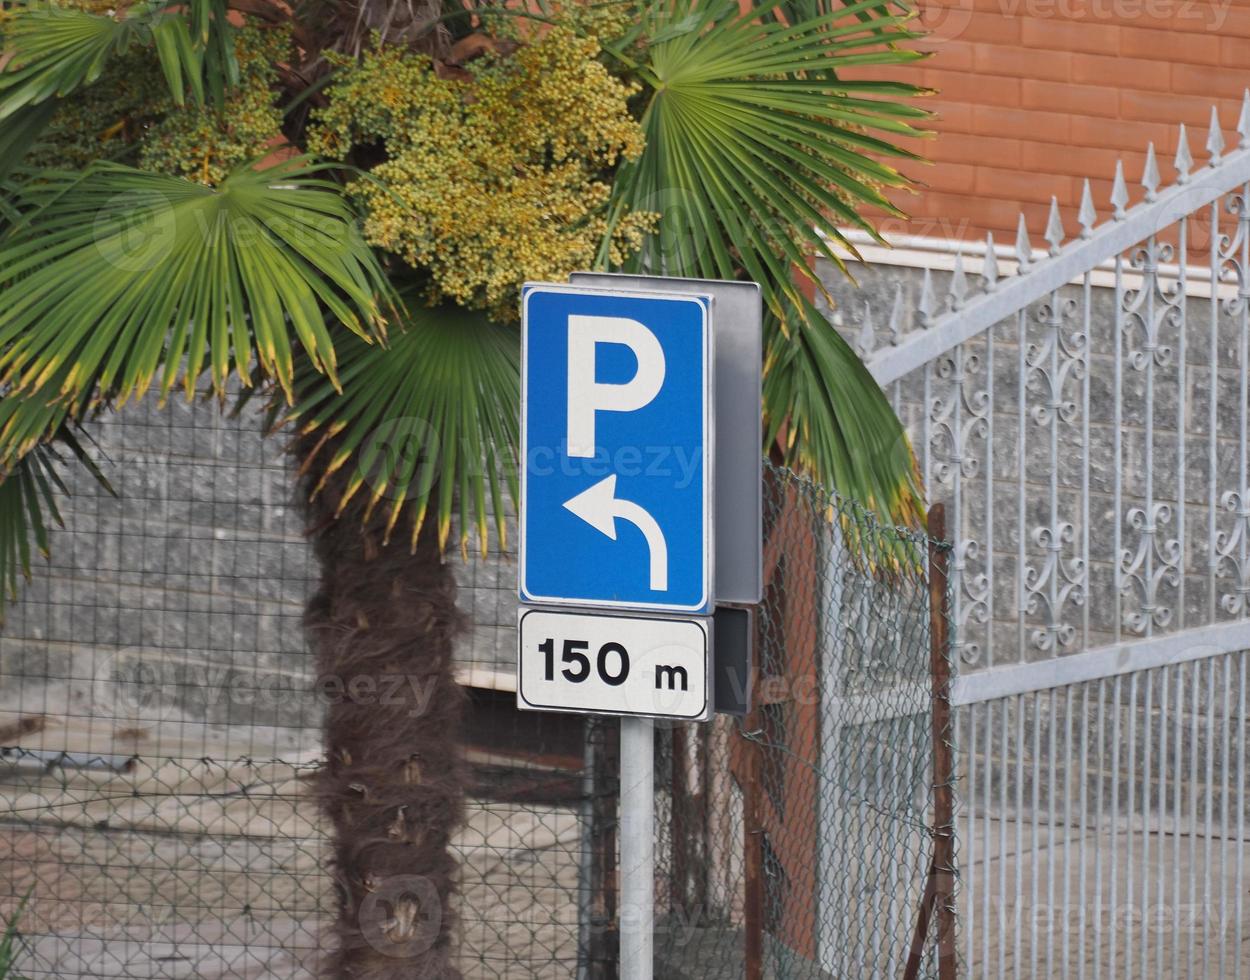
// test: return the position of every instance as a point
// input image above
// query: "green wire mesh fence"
(160, 738)
(800, 839)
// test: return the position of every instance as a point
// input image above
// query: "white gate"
(1084, 415)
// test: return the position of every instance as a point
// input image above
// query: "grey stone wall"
(172, 614)
(1123, 759)
(991, 455)
(175, 608)
(197, 575)
(487, 591)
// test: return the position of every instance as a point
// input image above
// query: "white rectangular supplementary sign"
(594, 663)
(616, 478)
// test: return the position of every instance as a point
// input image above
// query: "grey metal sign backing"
(738, 353)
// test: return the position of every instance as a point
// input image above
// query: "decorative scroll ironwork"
(1230, 549)
(1156, 559)
(1059, 581)
(957, 420)
(1103, 497)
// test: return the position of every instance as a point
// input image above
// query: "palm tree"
(120, 278)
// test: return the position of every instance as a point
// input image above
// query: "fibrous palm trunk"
(382, 624)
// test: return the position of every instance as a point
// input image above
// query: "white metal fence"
(1084, 414)
(1104, 827)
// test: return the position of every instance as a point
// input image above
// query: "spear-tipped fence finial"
(896, 315)
(1215, 138)
(1150, 173)
(1087, 216)
(1119, 192)
(1184, 161)
(989, 268)
(1054, 228)
(867, 338)
(1024, 249)
(959, 284)
(928, 302)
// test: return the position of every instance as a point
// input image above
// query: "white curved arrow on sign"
(599, 506)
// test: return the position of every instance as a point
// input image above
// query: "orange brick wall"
(1035, 95)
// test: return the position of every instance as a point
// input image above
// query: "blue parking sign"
(615, 436)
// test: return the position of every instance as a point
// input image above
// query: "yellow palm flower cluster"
(105, 120)
(129, 116)
(204, 143)
(492, 179)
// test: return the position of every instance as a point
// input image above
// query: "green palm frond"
(9, 941)
(828, 417)
(180, 57)
(25, 424)
(114, 279)
(54, 50)
(47, 52)
(758, 154)
(797, 11)
(433, 413)
(757, 143)
(19, 133)
(205, 55)
(26, 501)
(28, 508)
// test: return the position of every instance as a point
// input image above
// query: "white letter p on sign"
(586, 395)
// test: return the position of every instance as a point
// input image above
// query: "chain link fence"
(800, 839)
(160, 738)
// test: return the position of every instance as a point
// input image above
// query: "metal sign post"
(637, 848)
(640, 440)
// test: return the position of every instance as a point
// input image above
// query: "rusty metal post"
(937, 907)
(943, 751)
(753, 845)
(753, 865)
(750, 765)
